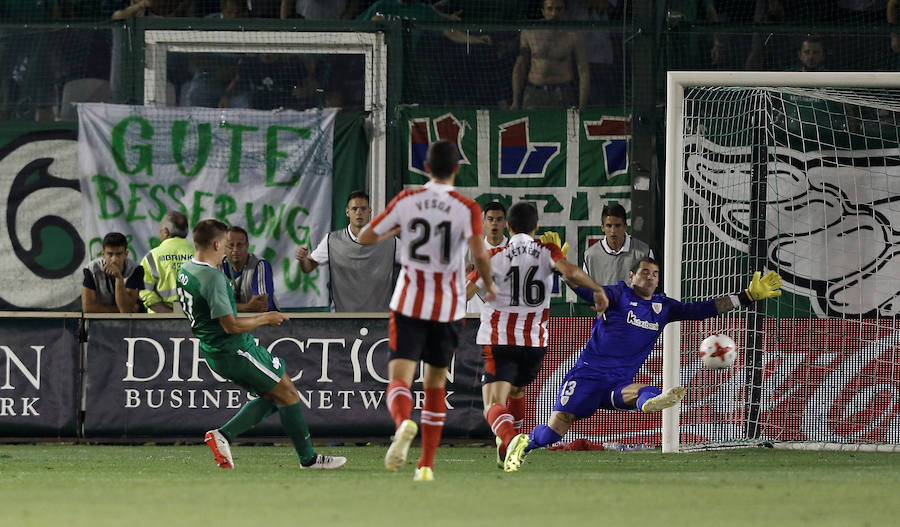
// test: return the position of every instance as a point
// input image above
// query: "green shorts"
(255, 369)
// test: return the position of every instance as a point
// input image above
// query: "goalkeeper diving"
(620, 342)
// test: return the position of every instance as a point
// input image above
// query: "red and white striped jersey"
(523, 272)
(436, 223)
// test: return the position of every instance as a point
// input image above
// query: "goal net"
(797, 173)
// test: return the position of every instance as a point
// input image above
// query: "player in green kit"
(208, 302)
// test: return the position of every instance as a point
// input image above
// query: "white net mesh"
(805, 182)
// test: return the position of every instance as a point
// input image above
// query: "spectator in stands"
(361, 276)
(426, 75)
(811, 115)
(861, 13)
(494, 223)
(340, 76)
(861, 50)
(328, 9)
(251, 277)
(112, 281)
(893, 18)
(230, 9)
(606, 78)
(610, 259)
(27, 82)
(162, 263)
(547, 60)
(764, 11)
(484, 10)
(76, 55)
(159, 8)
(481, 73)
(270, 8)
(687, 11)
(148, 8)
(212, 72)
(811, 54)
(268, 81)
(768, 50)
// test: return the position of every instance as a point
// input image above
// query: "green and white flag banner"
(270, 173)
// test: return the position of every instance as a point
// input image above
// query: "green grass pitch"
(161, 486)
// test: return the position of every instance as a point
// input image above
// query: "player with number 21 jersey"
(435, 222)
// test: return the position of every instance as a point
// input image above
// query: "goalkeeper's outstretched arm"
(760, 288)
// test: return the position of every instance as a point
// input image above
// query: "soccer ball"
(718, 351)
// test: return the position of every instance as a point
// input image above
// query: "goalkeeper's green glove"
(553, 237)
(761, 288)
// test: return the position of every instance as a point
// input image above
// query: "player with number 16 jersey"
(513, 329)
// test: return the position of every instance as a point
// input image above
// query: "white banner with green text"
(270, 173)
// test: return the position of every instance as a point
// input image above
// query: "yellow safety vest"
(161, 267)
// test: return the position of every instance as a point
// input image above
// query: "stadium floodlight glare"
(798, 173)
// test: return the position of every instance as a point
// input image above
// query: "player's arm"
(760, 288)
(233, 324)
(89, 303)
(472, 282)
(579, 279)
(482, 259)
(388, 221)
(368, 236)
(471, 289)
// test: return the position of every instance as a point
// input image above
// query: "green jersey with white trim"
(206, 296)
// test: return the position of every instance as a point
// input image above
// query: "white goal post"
(799, 173)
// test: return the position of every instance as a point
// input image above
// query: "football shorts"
(253, 369)
(583, 396)
(426, 340)
(517, 365)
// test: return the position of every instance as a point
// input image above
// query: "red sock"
(516, 408)
(432, 424)
(399, 401)
(501, 424)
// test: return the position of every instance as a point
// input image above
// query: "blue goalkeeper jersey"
(619, 345)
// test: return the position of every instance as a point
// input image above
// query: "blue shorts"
(583, 396)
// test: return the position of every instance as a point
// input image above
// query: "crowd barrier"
(138, 376)
(133, 377)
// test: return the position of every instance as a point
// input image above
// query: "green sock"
(295, 425)
(247, 417)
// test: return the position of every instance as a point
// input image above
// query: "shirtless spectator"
(547, 60)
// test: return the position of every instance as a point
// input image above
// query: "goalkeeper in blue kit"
(208, 301)
(620, 342)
